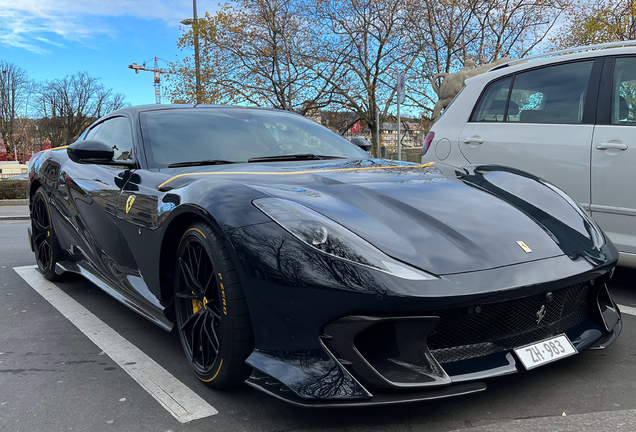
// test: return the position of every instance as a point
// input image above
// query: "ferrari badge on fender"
(129, 203)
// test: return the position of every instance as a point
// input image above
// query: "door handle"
(611, 145)
(473, 140)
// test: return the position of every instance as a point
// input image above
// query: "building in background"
(12, 168)
(347, 125)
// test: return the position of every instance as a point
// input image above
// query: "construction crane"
(157, 73)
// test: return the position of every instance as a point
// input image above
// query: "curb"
(14, 202)
(16, 217)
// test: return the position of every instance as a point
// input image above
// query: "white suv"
(570, 119)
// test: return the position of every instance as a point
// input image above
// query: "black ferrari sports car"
(286, 257)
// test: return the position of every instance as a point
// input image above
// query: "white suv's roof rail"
(567, 51)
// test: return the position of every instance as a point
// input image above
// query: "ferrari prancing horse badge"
(521, 244)
(129, 203)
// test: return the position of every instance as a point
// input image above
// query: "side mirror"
(93, 152)
(362, 143)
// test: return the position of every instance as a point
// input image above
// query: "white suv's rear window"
(552, 94)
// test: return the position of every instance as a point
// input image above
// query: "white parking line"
(627, 310)
(184, 404)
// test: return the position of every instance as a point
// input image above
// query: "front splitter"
(274, 388)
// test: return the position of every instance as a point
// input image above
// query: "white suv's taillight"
(427, 142)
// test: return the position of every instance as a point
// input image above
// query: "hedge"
(13, 189)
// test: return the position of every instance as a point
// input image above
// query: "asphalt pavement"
(14, 212)
(53, 377)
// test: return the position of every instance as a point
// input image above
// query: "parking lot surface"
(53, 376)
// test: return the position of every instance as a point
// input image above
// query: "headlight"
(595, 231)
(322, 233)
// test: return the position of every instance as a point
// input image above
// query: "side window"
(82, 135)
(93, 131)
(492, 105)
(624, 92)
(554, 94)
(116, 133)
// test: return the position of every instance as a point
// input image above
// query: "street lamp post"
(195, 32)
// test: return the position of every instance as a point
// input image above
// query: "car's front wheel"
(210, 309)
(47, 251)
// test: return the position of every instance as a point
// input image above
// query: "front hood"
(436, 218)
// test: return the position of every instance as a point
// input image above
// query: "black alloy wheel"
(43, 237)
(210, 309)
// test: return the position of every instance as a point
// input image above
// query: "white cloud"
(50, 42)
(31, 24)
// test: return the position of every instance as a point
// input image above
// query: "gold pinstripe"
(55, 148)
(290, 173)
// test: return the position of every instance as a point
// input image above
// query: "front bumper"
(505, 365)
(400, 367)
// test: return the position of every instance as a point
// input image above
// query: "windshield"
(236, 135)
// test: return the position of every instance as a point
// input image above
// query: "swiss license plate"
(545, 351)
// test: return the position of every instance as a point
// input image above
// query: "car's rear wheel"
(45, 246)
(210, 309)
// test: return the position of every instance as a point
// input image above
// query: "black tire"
(211, 312)
(45, 246)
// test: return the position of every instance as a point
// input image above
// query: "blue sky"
(53, 38)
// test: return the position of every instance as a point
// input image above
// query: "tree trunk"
(375, 148)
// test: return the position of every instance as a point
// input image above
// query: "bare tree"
(14, 89)
(449, 32)
(257, 52)
(71, 103)
(364, 42)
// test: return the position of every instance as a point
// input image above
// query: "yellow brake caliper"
(196, 305)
